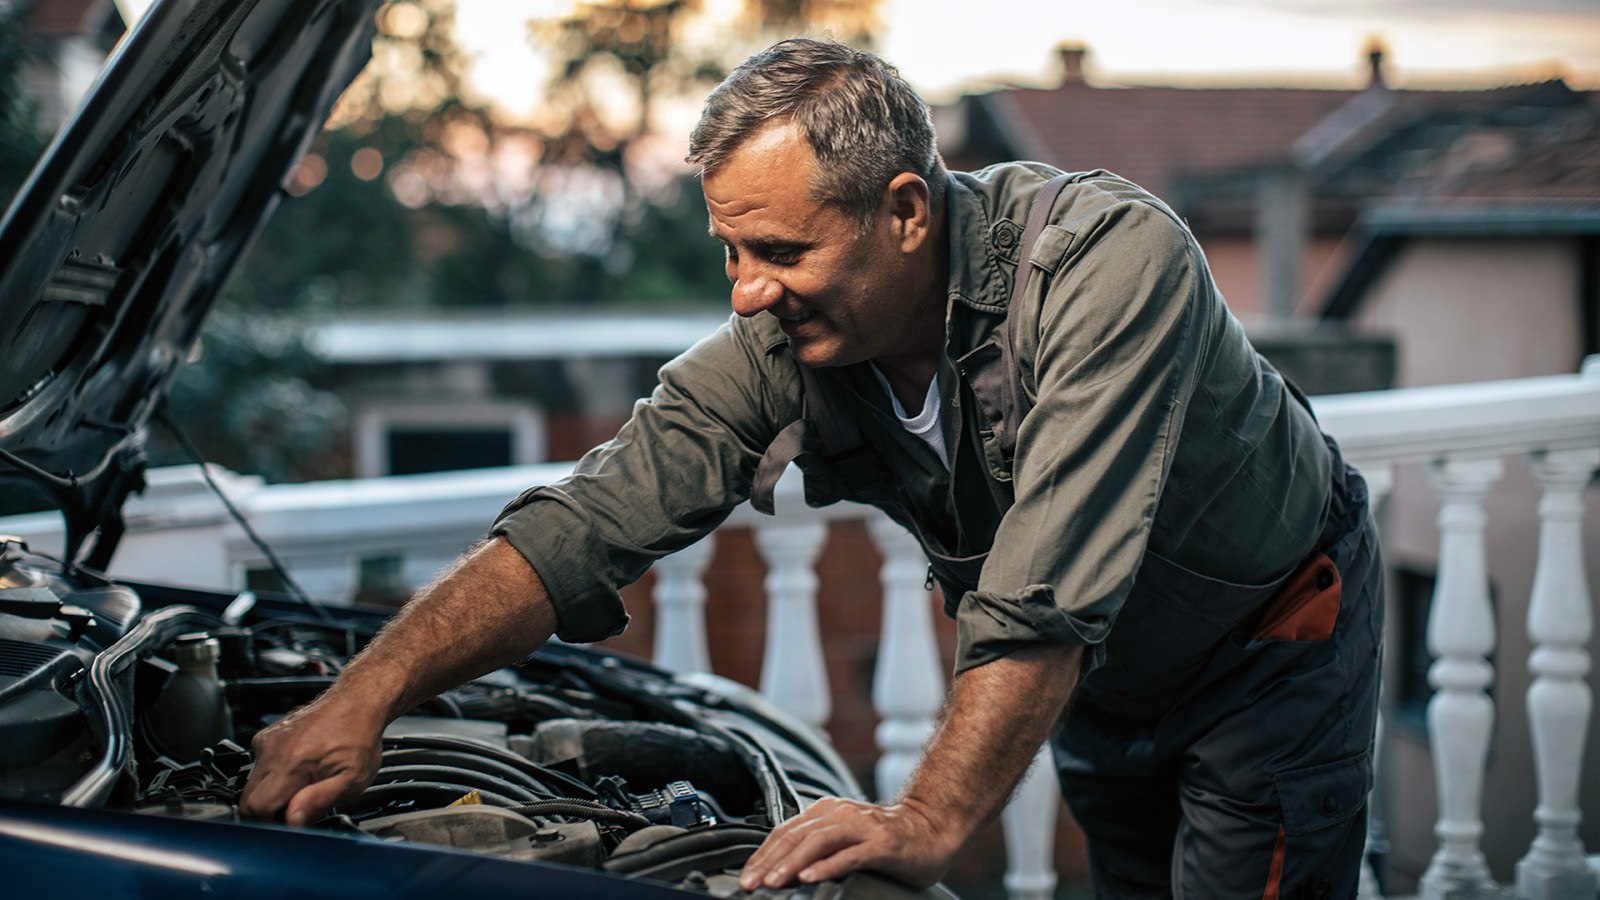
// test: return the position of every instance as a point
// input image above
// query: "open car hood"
(115, 248)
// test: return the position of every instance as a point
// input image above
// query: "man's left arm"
(995, 719)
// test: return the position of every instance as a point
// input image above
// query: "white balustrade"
(1029, 821)
(679, 598)
(1380, 483)
(1559, 700)
(1460, 713)
(793, 671)
(1460, 431)
(907, 682)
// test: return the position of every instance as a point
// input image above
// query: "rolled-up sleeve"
(1121, 332)
(683, 461)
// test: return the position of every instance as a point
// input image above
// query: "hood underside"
(118, 244)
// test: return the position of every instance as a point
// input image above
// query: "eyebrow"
(762, 245)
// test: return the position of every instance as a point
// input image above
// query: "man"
(1122, 501)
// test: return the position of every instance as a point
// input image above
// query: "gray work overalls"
(1224, 749)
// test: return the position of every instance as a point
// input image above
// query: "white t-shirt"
(925, 424)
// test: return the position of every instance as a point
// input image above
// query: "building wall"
(1236, 266)
(1467, 310)
(1481, 309)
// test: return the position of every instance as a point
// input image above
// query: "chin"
(822, 357)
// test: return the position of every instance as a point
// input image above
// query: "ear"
(907, 210)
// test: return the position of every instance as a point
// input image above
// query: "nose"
(754, 290)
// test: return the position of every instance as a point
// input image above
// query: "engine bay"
(125, 698)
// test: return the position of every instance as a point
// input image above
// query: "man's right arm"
(489, 610)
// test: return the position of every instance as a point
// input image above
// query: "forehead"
(766, 179)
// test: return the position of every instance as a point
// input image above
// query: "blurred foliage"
(615, 58)
(616, 62)
(21, 139)
(247, 404)
(417, 196)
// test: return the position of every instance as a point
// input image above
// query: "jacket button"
(1329, 805)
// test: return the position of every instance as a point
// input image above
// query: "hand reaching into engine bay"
(996, 717)
(489, 610)
(318, 756)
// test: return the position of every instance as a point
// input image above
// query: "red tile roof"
(1152, 135)
(1565, 167)
(1158, 136)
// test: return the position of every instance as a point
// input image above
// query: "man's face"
(841, 295)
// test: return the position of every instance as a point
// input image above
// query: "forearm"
(994, 721)
(488, 611)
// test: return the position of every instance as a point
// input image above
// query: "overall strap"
(823, 428)
(992, 370)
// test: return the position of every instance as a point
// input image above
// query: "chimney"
(1375, 52)
(1072, 55)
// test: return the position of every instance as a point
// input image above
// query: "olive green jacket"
(1154, 427)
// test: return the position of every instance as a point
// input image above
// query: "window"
(414, 449)
(409, 439)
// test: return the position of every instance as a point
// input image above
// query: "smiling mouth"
(798, 317)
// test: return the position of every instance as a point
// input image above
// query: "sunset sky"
(943, 46)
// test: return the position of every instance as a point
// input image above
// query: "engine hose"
(465, 779)
(685, 846)
(564, 783)
(488, 765)
(583, 809)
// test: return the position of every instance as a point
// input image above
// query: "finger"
(785, 834)
(314, 800)
(266, 794)
(775, 847)
(821, 842)
(837, 865)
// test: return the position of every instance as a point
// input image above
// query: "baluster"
(907, 682)
(1559, 700)
(1460, 714)
(1367, 885)
(1380, 483)
(680, 599)
(792, 669)
(1029, 821)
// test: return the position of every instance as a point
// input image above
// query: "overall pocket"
(1166, 634)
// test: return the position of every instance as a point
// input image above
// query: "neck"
(911, 371)
(910, 385)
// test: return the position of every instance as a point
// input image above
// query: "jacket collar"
(983, 247)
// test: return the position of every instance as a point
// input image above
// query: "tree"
(21, 140)
(616, 63)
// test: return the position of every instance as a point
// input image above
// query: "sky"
(944, 46)
(1248, 41)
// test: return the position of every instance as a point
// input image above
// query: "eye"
(783, 256)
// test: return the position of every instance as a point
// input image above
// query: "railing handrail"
(1494, 417)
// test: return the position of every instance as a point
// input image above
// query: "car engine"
(144, 699)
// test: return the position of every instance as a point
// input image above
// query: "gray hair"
(864, 123)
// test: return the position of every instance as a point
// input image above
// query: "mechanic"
(1125, 505)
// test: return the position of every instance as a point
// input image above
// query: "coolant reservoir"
(192, 713)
